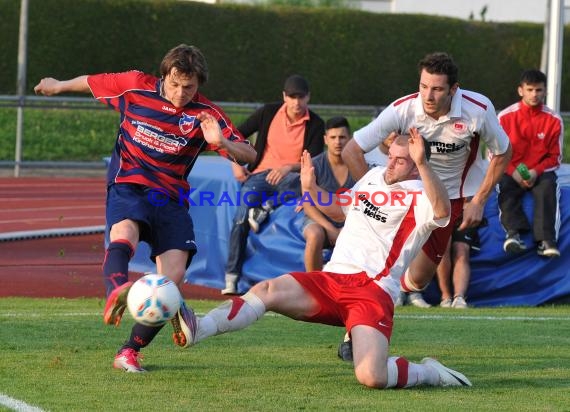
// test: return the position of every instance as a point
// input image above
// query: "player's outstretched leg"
(232, 315)
(116, 304)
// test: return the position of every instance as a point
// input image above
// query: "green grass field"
(56, 354)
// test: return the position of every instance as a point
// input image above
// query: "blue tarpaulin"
(497, 279)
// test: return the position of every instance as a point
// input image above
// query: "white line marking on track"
(17, 405)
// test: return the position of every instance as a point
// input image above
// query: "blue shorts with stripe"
(164, 224)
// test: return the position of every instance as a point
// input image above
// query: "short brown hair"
(187, 60)
(403, 139)
(440, 63)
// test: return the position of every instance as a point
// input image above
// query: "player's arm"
(369, 138)
(353, 157)
(433, 187)
(309, 187)
(240, 151)
(473, 212)
(49, 86)
(314, 214)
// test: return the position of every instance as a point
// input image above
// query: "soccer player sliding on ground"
(358, 287)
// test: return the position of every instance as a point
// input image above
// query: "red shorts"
(348, 300)
(436, 244)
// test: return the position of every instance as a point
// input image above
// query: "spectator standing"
(536, 133)
(284, 130)
(165, 124)
(320, 231)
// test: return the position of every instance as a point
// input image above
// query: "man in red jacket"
(536, 133)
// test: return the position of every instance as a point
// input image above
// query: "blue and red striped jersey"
(157, 143)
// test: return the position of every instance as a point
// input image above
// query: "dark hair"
(337, 121)
(440, 63)
(187, 60)
(532, 76)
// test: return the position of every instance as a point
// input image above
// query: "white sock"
(405, 374)
(234, 314)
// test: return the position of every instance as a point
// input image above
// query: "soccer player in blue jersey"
(165, 124)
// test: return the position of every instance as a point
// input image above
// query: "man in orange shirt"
(284, 130)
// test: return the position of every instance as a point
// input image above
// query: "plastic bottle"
(523, 171)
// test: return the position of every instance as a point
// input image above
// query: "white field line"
(16, 405)
(419, 317)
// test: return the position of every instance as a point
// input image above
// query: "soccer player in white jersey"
(455, 122)
(390, 213)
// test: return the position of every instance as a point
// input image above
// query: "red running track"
(68, 266)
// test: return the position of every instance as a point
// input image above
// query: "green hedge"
(350, 57)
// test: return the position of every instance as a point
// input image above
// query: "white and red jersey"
(455, 138)
(157, 143)
(536, 135)
(385, 228)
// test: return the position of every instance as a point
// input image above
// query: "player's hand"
(308, 178)
(211, 129)
(48, 86)
(416, 147)
(472, 215)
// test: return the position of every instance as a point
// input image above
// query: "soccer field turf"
(56, 354)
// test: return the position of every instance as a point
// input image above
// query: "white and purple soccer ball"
(153, 300)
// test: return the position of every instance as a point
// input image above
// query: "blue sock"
(116, 264)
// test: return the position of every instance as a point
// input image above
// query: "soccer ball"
(153, 300)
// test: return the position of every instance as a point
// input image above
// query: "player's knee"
(263, 288)
(409, 283)
(371, 377)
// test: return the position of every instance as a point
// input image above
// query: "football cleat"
(128, 360)
(416, 299)
(185, 326)
(447, 376)
(116, 304)
(345, 351)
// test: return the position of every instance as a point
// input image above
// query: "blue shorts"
(163, 225)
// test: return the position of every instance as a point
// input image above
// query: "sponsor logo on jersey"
(459, 127)
(441, 147)
(169, 109)
(187, 123)
(373, 211)
(541, 136)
